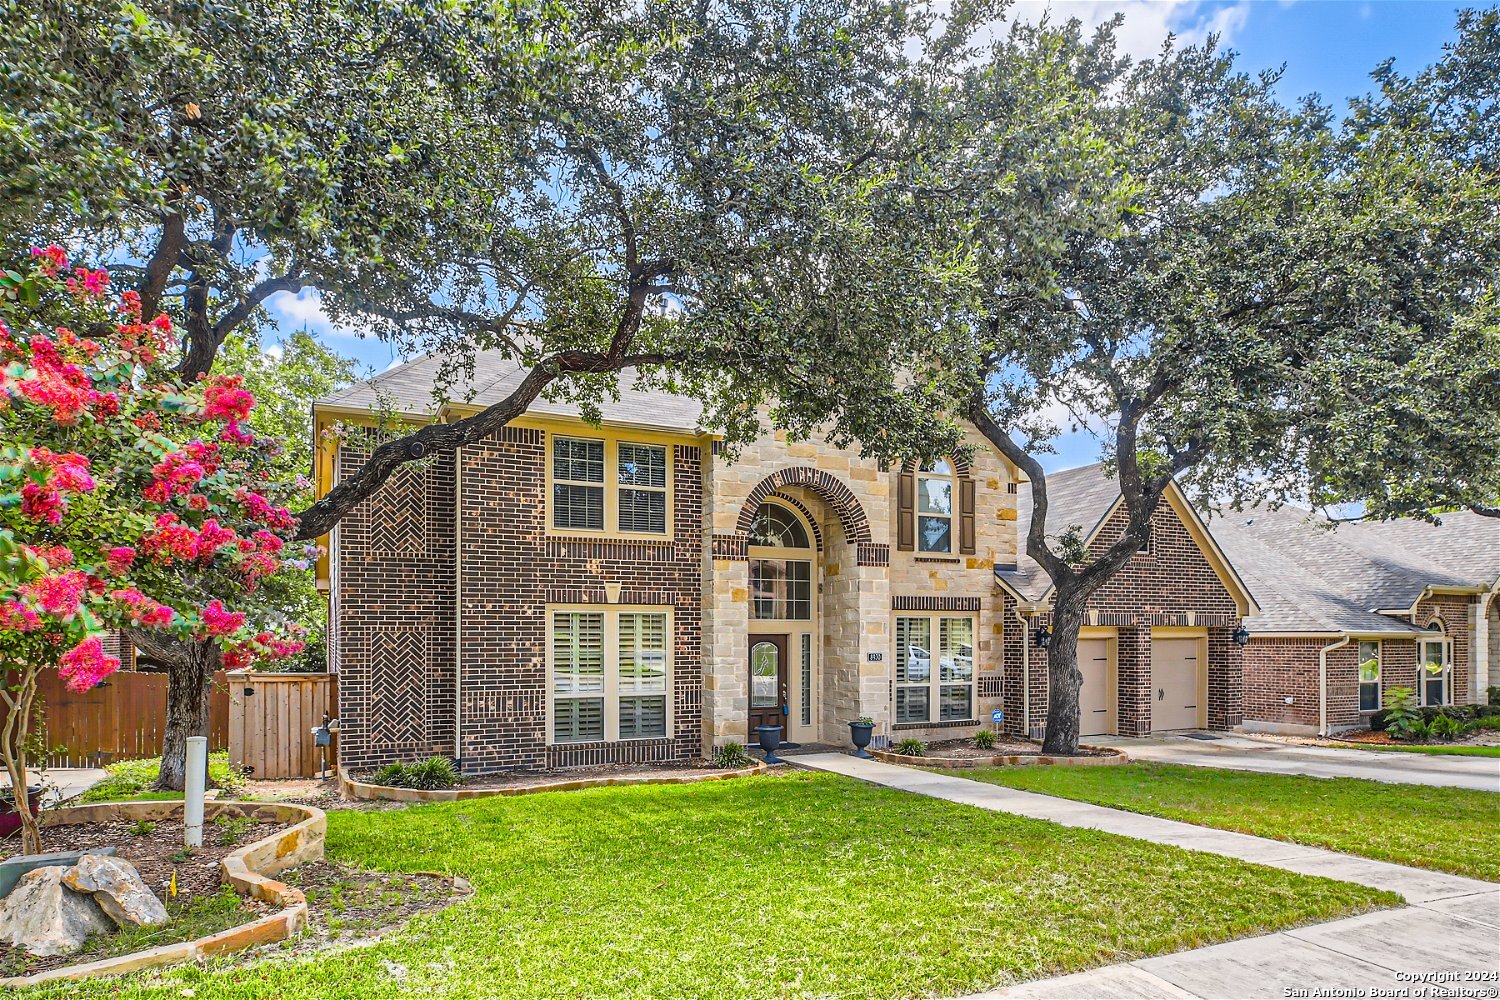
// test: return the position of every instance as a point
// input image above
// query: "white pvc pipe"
(193, 782)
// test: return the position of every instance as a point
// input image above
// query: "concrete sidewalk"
(1246, 753)
(1453, 924)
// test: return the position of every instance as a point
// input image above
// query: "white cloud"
(1147, 22)
(275, 351)
(305, 309)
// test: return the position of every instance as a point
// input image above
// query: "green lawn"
(1440, 749)
(1447, 829)
(798, 885)
(132, 780)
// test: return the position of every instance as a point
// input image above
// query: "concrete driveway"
(1244, 753)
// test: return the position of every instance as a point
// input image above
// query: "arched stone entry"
(840, 499)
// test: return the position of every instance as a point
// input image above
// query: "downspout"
(1025, 672)
(1323, 682)
(458, 605)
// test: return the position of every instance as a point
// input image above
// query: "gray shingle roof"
(409, 388)
(1081, 496)
(1310, 576)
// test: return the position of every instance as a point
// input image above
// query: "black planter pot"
(860, 733)
(770, 740)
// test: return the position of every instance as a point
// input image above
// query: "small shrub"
(864, 720)
(143, 828)
(428, 775)
(985, 739)
(1445, 728)
(1493, 694)
(731, 756)
(1401, 716)
(232, 829)
(910, 747)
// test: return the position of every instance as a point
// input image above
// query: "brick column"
(1133, 673)
(1226, 678)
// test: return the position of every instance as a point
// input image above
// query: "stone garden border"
(351, 789)
(245, 869)
(1111, 757)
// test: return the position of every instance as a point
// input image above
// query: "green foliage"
(1445, 728)
(432, 773)
(909, 747)
(985, 739)
(1402, 720)
(143, 828)
(1492, 694)
(864, 720)
(731, 755)
(135, 779)
(232, 829)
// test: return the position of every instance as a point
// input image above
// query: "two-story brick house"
(563, 594)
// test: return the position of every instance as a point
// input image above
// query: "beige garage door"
(1093, 700)
(1174, 684)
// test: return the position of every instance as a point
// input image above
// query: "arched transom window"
(776, 527)
(780, 566)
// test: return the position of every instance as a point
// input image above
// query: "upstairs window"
(606, 486)
(577, 484)
(1369, 676)
(935, 507)
(643, 488)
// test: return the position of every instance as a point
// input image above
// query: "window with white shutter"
(610, 674)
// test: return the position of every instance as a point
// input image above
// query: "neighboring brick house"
(1349, 612)
(564, 595)
(1158, 651)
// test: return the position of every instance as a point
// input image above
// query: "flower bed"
(298, 839)
(484, 787)
(962, 753)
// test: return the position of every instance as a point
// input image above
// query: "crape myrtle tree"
(1225, 266)
(127, 500)
(701, 192)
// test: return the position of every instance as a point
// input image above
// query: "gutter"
(1323, 682)
(1025, 672)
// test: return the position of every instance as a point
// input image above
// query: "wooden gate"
(122, 718)
(271, 718)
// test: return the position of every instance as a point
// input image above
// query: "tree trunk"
(21, 699)
(1064, 680)
(189, 685)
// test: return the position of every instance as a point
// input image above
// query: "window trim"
(934, 682)
(1379, 672)
(612, 695)
(611, 439)
(951, 478)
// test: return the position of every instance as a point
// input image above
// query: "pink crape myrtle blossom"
(86, 664)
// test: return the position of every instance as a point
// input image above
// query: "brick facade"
(1170, 586)
(446, 655)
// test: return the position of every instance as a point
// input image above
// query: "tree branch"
(163, 262)
(1056, 567)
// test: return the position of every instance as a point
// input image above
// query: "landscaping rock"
(118, 889)
(45, 917)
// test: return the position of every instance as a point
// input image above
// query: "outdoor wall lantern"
(1044, 637)
(1241, 636)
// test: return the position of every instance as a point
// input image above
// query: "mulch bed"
(156, 849)
(527, 779)
(966, 750)
(1380, 737)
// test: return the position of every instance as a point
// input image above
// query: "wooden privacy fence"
(271, 717)
(122, 718)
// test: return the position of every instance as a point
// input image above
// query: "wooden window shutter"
(966, 516)
(906, 512)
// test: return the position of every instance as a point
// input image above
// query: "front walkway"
(1453, 924)
(1245, 753)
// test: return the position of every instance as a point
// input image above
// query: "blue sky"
(1327, 46)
